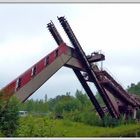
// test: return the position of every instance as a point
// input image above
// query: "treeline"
(75, 108)
(134, 88)
(67, 102)
(34, 106)
(59, 104)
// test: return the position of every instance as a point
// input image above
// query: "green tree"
(46, 97)
(84, 100)
(134, 88)
(9, 116)
(66, 105)
(35, 106)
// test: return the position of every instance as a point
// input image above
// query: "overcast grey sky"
(112, 28)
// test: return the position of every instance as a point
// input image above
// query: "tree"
(134, 88)
(63, 103)
(85, 102)
(46, 98)
(9, 116)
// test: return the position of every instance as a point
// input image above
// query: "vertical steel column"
(59, 40)
(87, 65)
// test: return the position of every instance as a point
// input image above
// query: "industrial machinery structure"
(116, 99)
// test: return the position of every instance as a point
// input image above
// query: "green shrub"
(90, 118)
(108, 121)
(67, 122)
(85, 117)
(1, 134)
(35, 127)
(9, 116)
(73, 115)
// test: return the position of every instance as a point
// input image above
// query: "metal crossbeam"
(87, 65)
(59, 40)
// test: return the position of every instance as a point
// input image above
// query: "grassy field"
(43, 127)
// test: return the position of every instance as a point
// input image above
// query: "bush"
(90, 118)
(85, 117)
(67, 122)
(108, 121)
(73, 116)
(9, 116)
(35, 127)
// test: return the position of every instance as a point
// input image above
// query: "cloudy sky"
(112, 28)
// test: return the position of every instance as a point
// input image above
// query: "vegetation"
(134, 88)
(8, 117)
(76, 108)
(44, 127)
(35, 107)
(58, 105)
(64, 115)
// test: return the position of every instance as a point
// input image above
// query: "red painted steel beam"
(28, 75)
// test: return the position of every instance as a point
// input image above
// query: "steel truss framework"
(116, 99)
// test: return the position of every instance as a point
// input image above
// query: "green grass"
(82, 130)
(43, 127)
